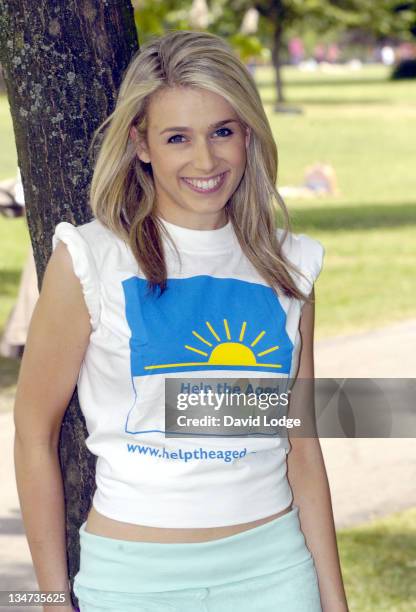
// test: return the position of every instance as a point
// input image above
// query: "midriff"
(101, 525)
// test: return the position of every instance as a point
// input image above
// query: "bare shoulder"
(61, 290)
(57, 340)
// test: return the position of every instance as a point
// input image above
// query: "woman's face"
(197, 148)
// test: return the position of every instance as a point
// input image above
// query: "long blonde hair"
(122, 192)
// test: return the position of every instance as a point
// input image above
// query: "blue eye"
(171, 141)
(227, 129)
(175, 136)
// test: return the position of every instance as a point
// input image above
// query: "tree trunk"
(63, 62)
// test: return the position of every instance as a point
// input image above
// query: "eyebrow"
(187, 129)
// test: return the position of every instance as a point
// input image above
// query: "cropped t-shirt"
(137, 340)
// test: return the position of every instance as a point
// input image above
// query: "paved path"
(388, 352)
(368, 477)
(16, 572)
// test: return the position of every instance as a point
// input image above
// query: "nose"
(203, 156)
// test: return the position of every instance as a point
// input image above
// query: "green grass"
(360, 123)
(8, 155)
(378, 563)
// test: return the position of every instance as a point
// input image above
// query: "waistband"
(144, 567)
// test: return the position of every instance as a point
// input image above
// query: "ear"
(141, 149)
(248, 136)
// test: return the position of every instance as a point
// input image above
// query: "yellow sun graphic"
(225, 352)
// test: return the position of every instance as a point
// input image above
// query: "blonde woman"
(183, 272)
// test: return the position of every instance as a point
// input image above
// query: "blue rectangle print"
(203, 323)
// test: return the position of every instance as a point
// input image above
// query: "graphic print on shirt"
(200, 323)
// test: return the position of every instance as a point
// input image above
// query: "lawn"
(359, 122)
(378, 563)
(8, 155)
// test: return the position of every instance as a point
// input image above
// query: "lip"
(213, 190)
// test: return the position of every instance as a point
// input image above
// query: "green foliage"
(383, 18)
(154, 17)
(326, 18)
(246, 46)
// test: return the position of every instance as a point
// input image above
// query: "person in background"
(296, 50)
(13, 339)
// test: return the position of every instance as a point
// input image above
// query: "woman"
(182, 272)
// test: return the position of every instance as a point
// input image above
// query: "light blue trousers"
(265, 569)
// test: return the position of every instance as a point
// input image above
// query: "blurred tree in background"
(383, 18)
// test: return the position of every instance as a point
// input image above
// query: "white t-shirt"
(215, 296)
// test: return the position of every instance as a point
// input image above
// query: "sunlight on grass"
(8, 155)
(358, 122)
(14, 241)
(378, 563)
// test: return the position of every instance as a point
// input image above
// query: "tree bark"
(63, 61)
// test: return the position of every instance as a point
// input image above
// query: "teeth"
(205, 184)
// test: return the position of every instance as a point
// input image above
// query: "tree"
(63, 63)
(381, 18)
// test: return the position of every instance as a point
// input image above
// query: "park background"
(347, 112)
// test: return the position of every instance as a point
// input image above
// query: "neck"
(194, 221)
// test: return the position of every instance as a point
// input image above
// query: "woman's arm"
(308, 480)
(57, 340)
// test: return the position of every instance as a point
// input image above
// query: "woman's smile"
(211, 185)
